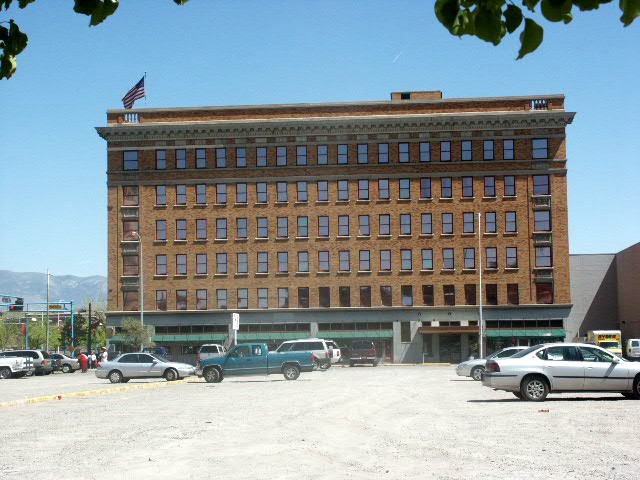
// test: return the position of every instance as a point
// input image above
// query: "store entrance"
(450, 348)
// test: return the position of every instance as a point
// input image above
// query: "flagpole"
(145, 87)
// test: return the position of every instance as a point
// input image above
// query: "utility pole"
(89, 329)
(47, 328)
(481, 322)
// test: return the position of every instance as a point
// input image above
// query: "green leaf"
(530, 38)
(512, 18)
(556, 10)
(586, 5)
(24, 3)
(447, 12)
(99, 10)
(488, 25)
(7, 65)
(530, 4)
(14, 41)
(180, 2)
(5, 4)
(630, 10)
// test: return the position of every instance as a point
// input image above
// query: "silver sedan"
(143, 365)
(563, 367)
(475, 368)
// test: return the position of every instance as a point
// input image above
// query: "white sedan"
(563, 367)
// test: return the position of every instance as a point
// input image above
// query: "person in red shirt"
(83, 362)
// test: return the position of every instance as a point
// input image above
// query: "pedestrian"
(82, 358)
(104, 356)
(92, 358)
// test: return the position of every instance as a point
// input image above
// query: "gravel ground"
(357, 423)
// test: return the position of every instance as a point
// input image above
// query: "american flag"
(136, 93)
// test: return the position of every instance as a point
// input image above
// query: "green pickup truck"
(255, 359)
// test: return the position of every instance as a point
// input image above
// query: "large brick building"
(343, 220)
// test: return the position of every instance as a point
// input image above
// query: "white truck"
(15, 367)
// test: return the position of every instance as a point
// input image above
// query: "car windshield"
(526, 352)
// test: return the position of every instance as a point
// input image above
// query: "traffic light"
(17, 306)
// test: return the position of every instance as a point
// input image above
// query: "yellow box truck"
(608, 339)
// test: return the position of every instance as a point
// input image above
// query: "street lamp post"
(141, 289)
(481, 322)
(48, 277)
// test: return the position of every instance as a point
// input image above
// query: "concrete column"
(464, 346)
(313, 329)
(435, 346)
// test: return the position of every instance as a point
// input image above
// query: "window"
(201, 264)
(303, 297)
(445, 151)
(490, 225)
(161, 230)
(161, 164)
(383, 189)
(383, 153)
(512, 257)
(181, 159)
(468, 222)
(242, 230)
(221, 228)
(161, 265)
(449, 292)
(261, 192)
(221, 193)
(541, 185)
(221, 264)
(513, 297)
(467, 187)
(427, 259)
(181, 194)
(403, 152)
(323, 155)
(425, 188)
(130, 265)
(343, 190)
(511, 222)
(405, 189)
(303, 227)
(301, 155)
(365, 296)
(488, 150)
(426, 226)
(363, 189)
(324, 294)
(283, 227)
(427, 295)
(491, 291)
(363, 153)
(323, 261)
(364, 227)
(242, 262)
(181, 264)
(261, 157)
(491, 254)
(161, 195)
(385, 224)
(130, 160)
(470, 258)
(425, 152)
(447, 223)
(201, 158)
(303, 261)
(345, 296)
(448, 259)
(161, 300)
(129, 230)
(406, 292)
(263, 262)
(283, 298)
(385, 260)
(544, 293)
(243, 297)
(263, 298)
(543, 257)
(181, 229)
(201, 194)
(221, 298)
(470, 294)
(406, 260)
(241, 157)
(323, 191)
(489, 186)
(344, 261)
(365, 261)
(466, 150)
(241, 193)
(542, 221)
(540, 148)
(201, 229)
(343, 225)
(323, 226)
(405, 224)
(181, 299)
(386, 295)
(130, 196)
(221, 157)
(343, 154)
(262, 227)
(283, 262)
(302, 192)
(446, 190)
(508, 150)
(282, 194)
(509, 186)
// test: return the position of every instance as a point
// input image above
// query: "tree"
(10, 334)
(134, 334)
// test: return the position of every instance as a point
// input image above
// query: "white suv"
(317, 346)
(210, 351)
(336, 355)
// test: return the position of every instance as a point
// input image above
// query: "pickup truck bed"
(15, 367)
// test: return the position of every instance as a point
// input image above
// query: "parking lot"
(362, 422)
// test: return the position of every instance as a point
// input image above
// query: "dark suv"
(363, 351)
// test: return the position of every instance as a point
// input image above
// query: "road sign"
(235, 317)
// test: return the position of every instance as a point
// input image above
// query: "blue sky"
(53, 181)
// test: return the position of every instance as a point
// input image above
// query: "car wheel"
(517, 395)
(636, 388)
(115, 376)
(212, 375)
(66, 368)
(5, 372)
(171, 375)
(325, 365)
(476, 373)
(291, 372)
(351, 364)
(534, 389)
(628, 395)
(316, 365)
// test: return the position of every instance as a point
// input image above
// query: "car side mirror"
(615, 360)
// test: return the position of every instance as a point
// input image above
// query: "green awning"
(333, 334)
(249, 337)
(526, 333)
(185, 338)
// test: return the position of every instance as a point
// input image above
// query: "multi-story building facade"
(343, 220)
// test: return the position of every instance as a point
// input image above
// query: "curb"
(86, 393)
